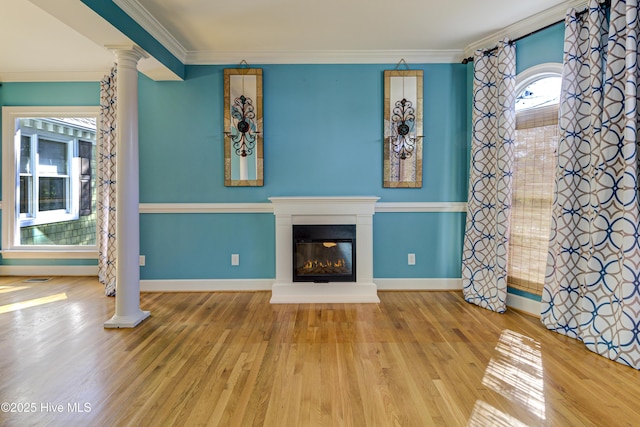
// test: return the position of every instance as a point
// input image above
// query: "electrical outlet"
(411, 259)
(143, 260)
(235, 259)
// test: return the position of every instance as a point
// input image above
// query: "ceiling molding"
(325, 57)
(53, 76)
(147, 21)
(149, 67)
(526, 26)
(156, 71)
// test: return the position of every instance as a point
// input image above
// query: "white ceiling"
(34, 42)
(204, 25)
(64, 39)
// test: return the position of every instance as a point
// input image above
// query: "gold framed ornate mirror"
(403, 128)
(243, 142)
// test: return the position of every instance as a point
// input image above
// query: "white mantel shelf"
(357, 210)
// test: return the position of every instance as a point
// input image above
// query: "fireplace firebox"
(324, 253)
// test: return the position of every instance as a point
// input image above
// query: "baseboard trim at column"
(126, 321)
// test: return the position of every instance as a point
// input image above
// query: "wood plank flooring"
(233, 359)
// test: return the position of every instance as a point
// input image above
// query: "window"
(45, 177)
(533, 179)
(49, 181)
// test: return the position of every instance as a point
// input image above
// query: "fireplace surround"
(322, 211)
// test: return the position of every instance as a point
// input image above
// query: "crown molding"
(526, 26)
(139, 14)
(142, 16)
(415, 56)
(149, 67)
(53, 76)
(147, 21)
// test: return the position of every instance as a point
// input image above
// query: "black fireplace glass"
(324, 253)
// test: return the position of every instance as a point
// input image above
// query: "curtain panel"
(592, 284)
(484, 258)
(106, 191)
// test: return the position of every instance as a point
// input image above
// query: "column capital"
(128, 55)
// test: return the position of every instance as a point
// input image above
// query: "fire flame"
(317, 264)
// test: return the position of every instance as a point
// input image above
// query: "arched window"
(538, 92)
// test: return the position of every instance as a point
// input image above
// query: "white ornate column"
(128, 313)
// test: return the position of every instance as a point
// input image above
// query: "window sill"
(47, 219)
(44, 253)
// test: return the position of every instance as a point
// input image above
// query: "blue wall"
(323, 136)
(199, 246)
(322, 132)
(539, 48)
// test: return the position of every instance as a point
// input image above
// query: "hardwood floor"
(233, 359)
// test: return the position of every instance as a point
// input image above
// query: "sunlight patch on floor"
(32, 303)
(5, 289)
(516, 372)
(486, 415)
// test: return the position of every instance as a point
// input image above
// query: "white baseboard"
(205, 285)
(48, 270)
(523, 304)
(516, 302)
(418, 284)
(210, 285)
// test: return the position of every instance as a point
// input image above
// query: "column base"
(126, 321)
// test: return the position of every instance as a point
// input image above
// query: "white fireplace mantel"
(324, 210)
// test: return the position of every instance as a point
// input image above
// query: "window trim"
(535, 73)
(10, 228)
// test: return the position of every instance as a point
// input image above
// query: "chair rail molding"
(260, 207)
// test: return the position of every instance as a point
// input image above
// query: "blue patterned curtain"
(592, 288)
(484, 258)
(106, 197)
